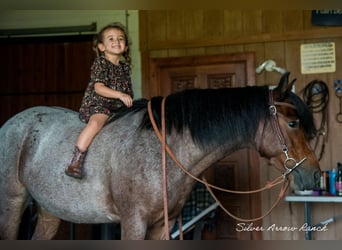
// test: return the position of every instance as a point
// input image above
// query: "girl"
(109, 89)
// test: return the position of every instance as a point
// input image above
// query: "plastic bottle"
(338, 180)
(332, 180)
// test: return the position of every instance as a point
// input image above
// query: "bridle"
(290, 164)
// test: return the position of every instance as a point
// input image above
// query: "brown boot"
(76, 164)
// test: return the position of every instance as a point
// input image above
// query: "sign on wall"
(318, 58)
(326, 17)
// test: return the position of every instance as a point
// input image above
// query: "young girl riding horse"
(109, 89)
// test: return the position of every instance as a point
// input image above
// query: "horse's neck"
(195, 159)
(208, 160)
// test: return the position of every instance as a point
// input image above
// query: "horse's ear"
(284, 87)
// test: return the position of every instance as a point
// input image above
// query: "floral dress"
(116, 77)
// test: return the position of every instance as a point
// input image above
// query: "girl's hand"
(126, 99)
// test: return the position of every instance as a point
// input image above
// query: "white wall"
(20, 19)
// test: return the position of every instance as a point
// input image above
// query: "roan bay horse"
(123, 174)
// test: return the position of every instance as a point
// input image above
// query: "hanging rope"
(316, 96)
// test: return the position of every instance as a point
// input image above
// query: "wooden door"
(238, 171)
(51, 71)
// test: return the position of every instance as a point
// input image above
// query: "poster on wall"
(318, 58)
(326, 17)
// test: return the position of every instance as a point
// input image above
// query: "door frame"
(152, 86)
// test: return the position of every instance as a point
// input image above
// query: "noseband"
(290, 163)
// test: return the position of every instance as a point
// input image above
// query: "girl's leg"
(95, 124)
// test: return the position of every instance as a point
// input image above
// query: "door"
(238, 171)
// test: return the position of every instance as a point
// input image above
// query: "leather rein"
(290, 164)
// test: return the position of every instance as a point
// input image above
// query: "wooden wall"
(269, 34)
(42, 71)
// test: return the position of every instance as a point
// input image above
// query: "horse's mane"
(215, 116)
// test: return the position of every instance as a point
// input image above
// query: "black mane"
(215, 116)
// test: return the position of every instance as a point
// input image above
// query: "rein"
(280, 179)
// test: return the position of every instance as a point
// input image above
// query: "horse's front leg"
(133, 227)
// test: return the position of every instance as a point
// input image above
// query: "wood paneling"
(42, 72)
(193, 24)
(202, 28)
(270, 34)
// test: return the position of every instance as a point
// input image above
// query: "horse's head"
(292, 126)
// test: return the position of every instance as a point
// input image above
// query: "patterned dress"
(116, 77)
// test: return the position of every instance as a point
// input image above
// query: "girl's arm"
(104, 91)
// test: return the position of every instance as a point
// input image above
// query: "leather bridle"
(290, 163)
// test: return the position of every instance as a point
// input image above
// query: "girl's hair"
(99, 39)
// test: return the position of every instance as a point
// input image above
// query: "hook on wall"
(270, 65)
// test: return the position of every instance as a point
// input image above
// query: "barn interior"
(47, 54)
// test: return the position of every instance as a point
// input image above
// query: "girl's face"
(114, 42)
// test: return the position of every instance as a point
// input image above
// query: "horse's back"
(35, 114)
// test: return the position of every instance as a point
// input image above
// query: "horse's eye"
(293, 124)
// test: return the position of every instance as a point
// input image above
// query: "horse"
(123, 173)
